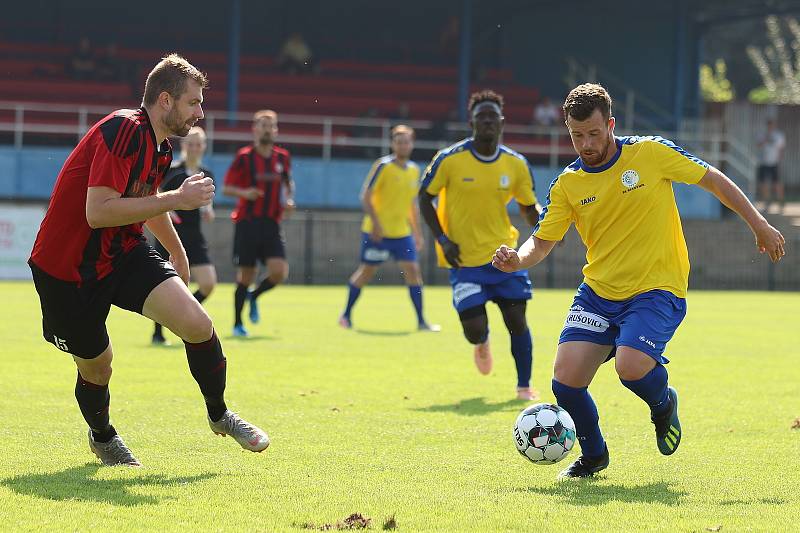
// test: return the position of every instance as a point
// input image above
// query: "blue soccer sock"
(415, 291)
(652, 388)
(352, 296)
(522, 350)
(581, 407)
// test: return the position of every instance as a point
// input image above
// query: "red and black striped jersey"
(268, 174)
(119, 152)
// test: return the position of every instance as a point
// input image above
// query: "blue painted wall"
(30, 173)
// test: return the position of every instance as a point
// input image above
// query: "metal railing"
(549, 146)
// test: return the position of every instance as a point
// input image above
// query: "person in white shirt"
(546, 113)
(770, 146)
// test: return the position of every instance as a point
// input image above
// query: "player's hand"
(181, 265)
(419, 241)
(506, 259)
(770, 241)
(289, 208)
(452, 254)
(252, 193)
(195, 191)
(376, 235)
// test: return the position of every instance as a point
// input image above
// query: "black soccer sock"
(207, 365)
(199, 296)
(263, 287)
(239, 297)
(94, 401)
(158, 331)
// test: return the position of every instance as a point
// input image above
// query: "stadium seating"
(35, 72)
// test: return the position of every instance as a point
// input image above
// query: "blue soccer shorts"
(375, 253)
(473, 286)
(645, 322)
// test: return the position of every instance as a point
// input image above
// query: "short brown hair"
(487, 95)
(402, 129)
(170, 75)
(265, 113)
(584, 99)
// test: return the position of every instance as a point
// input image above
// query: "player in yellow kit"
(475, 180)
(618, 193)
(390, 220)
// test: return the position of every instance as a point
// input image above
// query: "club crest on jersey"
(505, 181)
(630, 178)
(278, 168)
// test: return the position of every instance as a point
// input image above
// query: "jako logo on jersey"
(630, 178)
(584, 320)
(504, 182)
(464, 290)
(647, 341)
(588, 200)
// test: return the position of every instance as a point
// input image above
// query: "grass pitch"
(398, 425)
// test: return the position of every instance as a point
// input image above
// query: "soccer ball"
(544, 433)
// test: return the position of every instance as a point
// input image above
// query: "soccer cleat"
(254, 315)
(247, 435)
(527, 393)
(433, 328)
(159, 340)
(483, 357)
(668, 427)
(585, 466)
(239, 331)
(113, 452)
(344, 321)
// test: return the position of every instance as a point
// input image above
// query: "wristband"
(441, 239)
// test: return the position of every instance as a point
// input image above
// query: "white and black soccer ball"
(544, 433)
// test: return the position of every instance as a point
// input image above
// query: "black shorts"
(74, 317)
(257, 240)
(195, 245)
(768, 173)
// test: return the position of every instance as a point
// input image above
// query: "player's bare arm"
(366, 202)
(768, 239)
(530, 213)
(163, 230)
(450, 249)
(248, 193)
(530, 254)
(105, 207)
(413, 217)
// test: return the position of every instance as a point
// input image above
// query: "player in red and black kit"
(187, 223)
(261, 178)
(91, 253)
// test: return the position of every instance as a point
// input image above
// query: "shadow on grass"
(472, 407)
(381, 333)
(763, 501)
(593, 491)
(78, 483)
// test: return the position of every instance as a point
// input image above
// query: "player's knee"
(476, 333)
(207, 287)
(632, 369)
(197, 326)
(99, 374)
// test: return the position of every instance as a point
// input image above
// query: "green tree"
(714, 83)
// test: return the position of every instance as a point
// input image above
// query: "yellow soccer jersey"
(474, 192)
(626, 215)
(394, 189)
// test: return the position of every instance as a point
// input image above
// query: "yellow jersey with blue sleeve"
(474, 192)
(626, 215)
(393, 189)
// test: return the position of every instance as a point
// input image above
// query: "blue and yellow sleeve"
(557, 214)
(525, 189)
(676, 163)
(435, 178)
(374, 174)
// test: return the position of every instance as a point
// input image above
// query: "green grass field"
(388, 422)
